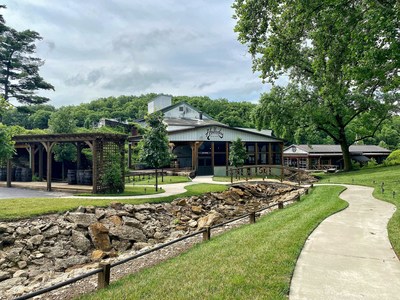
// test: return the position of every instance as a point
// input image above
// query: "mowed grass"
(390, 177)
(130, 190)
(12, 209)
(145, 180)
(251, 262)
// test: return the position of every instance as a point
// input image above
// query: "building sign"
(214, 132)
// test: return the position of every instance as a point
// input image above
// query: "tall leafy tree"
(62, 121)
(6, 146)
(19, 68)
(237, 154)
(342, 58)
(154, 150)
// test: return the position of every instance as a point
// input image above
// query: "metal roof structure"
(323, 150)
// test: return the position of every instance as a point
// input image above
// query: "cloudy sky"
(101, 48)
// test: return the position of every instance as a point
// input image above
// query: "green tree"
(342, 58)
(19, 68)
(154, 150)
(62, 121)
(6, 146)
(237, 153)
(40, 119)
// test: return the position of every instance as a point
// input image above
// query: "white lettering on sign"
(214, 132)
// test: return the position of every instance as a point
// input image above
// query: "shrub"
(393, 158)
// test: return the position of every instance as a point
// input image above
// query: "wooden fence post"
(252, 217)
(103, 279)
(206, 234)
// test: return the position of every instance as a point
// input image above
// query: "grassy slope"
(391, 178)
(29, 207)
(251, 262)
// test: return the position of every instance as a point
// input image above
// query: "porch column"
(212, 155)
(270, 153)
(256, 154)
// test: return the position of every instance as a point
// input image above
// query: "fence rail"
(105, 268)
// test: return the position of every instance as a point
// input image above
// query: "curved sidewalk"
(349, 255)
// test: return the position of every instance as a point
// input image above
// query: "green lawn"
(251, 262)
(28, 207)
(390, 176)
(130, 190)
(139, 180)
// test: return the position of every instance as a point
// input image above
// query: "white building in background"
(202, 144)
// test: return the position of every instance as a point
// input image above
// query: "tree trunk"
(156, 180)
(346, 156)
(162, 174)
(63, 171)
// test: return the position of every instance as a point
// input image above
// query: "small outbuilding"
(322, 157)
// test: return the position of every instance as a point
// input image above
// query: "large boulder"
(212, 218)
(128, 233)
(80, 241)
(99, 235)
(81, 219)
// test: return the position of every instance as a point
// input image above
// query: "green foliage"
(154, 150)
(19, 67)
(237, 154)
(341, 58)
(112, 179)
(62, 121)
(65, 151)
(393, 158)
(371, 164)
(7, 145)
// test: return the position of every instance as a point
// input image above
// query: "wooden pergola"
(102, 145)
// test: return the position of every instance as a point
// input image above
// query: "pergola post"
(78, 155)
(95, 171)
(49, 147)
(122, 151)
(32, 152)
(129, 155)
(40, 162)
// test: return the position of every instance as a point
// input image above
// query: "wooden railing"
(265, 171)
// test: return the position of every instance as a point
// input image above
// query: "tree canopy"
(342, 59)
(6, 146)
(154, 150)
(19, 68)
(237, 154)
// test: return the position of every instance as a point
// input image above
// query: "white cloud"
(99, 48)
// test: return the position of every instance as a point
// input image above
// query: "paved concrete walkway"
(349, 255)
